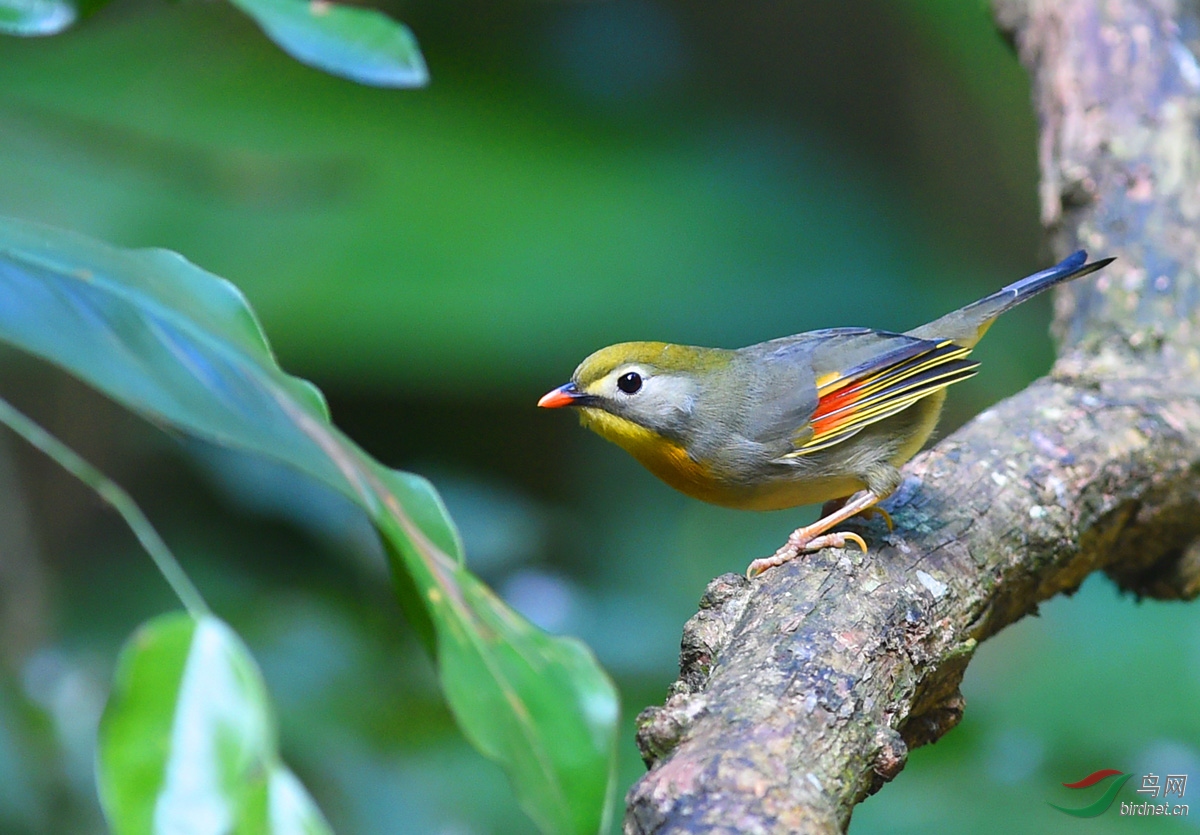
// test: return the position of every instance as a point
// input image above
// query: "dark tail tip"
(1073, 266)
(1076, 264)
(1085, 269)
(1073, 261)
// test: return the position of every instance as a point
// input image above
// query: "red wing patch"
(848, 405)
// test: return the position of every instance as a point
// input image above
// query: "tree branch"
(802, 692)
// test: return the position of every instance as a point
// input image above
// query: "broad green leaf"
(181, 346)
(35, 17)
(187, 742)
(363, 45)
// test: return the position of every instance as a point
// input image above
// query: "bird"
(822, 416)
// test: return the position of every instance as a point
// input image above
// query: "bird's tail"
(967, 325)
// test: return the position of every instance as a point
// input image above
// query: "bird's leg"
(814, 537)
(834, 505)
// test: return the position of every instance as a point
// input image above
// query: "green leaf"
(181, 346)
(363, 45)
(187, 741)
(35, 17)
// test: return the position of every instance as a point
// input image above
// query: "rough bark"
(802, 691)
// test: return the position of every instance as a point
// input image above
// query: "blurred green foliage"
(33, 18)
(181, 347)
(575, 175)
(363, 45)
(187, 740)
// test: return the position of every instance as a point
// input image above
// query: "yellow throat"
(665, 458)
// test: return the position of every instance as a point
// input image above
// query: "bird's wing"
(899, 372)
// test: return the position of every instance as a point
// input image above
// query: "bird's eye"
(630, 383)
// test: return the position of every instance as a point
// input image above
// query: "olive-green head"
(625, 389)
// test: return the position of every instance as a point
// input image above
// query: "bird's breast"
(666, 458)
(770, 487)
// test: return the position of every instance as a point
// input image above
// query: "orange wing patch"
(848, 404)
(833, 408)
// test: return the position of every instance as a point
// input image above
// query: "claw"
(814, 536)
(876, 509)
(797, 546)
(838, 540)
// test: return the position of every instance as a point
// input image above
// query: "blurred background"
(577, 174)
